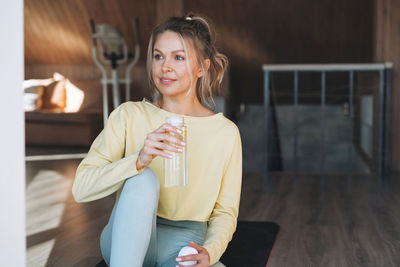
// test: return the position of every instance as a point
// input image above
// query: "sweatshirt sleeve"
(105, 168)
(223, 219)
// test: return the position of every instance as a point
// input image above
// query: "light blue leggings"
(136, 237)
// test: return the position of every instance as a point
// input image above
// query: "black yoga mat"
(251, 245)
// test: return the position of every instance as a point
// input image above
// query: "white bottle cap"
(175, 121)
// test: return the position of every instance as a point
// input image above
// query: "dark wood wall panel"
(387, 48)
(168, 8)
(58, 32)
(250, 32)
(253, 33)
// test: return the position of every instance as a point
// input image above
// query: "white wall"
(12, 166)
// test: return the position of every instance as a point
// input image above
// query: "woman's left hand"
(203, 258)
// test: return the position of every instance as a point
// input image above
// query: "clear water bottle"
(175, 169)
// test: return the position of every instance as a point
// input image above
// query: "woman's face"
(170, 69)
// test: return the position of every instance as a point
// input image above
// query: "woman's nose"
(166, 66)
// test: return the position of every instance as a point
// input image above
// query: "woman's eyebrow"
(175, 51)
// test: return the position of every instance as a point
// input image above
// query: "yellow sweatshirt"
(214, 160)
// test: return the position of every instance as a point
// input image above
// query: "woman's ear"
(207, 63)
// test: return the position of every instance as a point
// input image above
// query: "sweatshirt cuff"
(214, 258)
(126, 165)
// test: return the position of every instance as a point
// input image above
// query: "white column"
(12, 166)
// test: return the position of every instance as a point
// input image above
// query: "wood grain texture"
(60, 231)
(324, 221)
(253, 33)
(58, 32)
(327, 221)
(386, 48)
(168, 8)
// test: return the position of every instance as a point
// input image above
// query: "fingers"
(166, 137)
(168, 127)
(164, 141)
(196, 246)
(201, 257)
(159, 142)
(156, 152)
(163, 146)
(193, 257)
(156, 143)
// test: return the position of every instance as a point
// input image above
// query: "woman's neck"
(189, 106)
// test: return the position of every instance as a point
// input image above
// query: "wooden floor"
(325, 221)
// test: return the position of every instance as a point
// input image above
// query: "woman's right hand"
(156, 142)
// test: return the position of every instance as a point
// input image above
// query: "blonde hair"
(201, 35)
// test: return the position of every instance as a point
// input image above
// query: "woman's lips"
(166, 81)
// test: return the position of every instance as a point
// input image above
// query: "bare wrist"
(139, 166)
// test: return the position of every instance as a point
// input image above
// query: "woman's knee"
(145, 182)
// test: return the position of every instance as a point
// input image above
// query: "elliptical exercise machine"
(113, 51)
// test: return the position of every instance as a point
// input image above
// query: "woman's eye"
(157, 56)
(179, 58)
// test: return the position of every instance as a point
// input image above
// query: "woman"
(150, 223)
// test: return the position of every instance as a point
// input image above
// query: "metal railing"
(384, 72)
